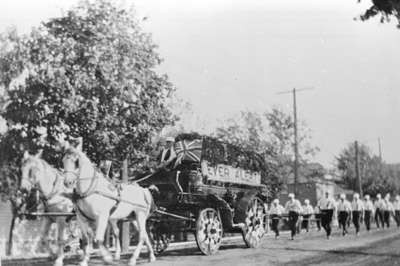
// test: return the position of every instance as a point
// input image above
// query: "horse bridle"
(34, 184)
(77, 174)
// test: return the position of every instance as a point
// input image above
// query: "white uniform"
(277, 210)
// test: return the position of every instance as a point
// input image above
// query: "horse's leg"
(152, 257)
(44, 239)
(86, 238)
(141, 227)
(101, 222)
(115, 230)
(60, 242)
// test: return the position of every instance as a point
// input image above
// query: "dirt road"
(379, 247)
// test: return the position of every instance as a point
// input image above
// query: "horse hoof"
(58, 262)
(152, 258)
(132, 263)
(108, 259)
(117, 256)
(83, 263)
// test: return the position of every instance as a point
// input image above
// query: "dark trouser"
(367, 220)
(378, 218)
(386, 218)
(306, 222)
(397, 217)
(293, 217)
(274, 224)
(356, 220)
(326, 219)
(343, 217)
(318, 220)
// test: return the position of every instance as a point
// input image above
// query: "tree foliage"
(90, 73)
(385, 8)
(376, 176)
(271, 135)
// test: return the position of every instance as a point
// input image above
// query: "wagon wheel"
(159, 238)
(255, 223)
(209, 231)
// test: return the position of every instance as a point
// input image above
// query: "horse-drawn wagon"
(213, 188)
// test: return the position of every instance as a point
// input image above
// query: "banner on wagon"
(229, 174)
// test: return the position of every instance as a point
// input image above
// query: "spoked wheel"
(159, 238)
(255, 223)
(209, 231)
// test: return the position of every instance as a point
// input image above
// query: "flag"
(188, 150)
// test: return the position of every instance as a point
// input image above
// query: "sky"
(225, 56)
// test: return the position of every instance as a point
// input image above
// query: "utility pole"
(296, 144)
(357, 167)
(380, 149)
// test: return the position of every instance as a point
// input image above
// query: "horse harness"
(76, 196)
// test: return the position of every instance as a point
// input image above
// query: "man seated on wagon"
(167, 155)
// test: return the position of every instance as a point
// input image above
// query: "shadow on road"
(195, 251)
(346, 252)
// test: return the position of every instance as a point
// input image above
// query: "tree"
(271, 135)
(376, 176)
(385, 8)
(90, 73)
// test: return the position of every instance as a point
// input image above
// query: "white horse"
(37, 173)
(100, 201)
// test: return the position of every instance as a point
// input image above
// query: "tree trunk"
(10, 233)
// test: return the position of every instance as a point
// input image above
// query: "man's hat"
(291, 195)
(342, 196)
(306, 201)
(366, 197)
(356, 196)
(378, 195)
(276, 201)
(169, 139)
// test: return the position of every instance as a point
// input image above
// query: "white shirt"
(326, 204)
(380, 204)
(388, 206)
(396, 205)
(294, 206)
(308, 209)
(344, 206)
(368, 205)
(357, 205)
(172, 154)
(278, 209)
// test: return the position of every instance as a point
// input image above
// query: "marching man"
(368, 212)
(317, 215)
(357, 207)
(293, 208)
(344, 212)
(396, 207)
(379, 206)
(308, 211)
(327, 207)
(275, 213)
(388, 210)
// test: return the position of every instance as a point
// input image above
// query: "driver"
(167, 155)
